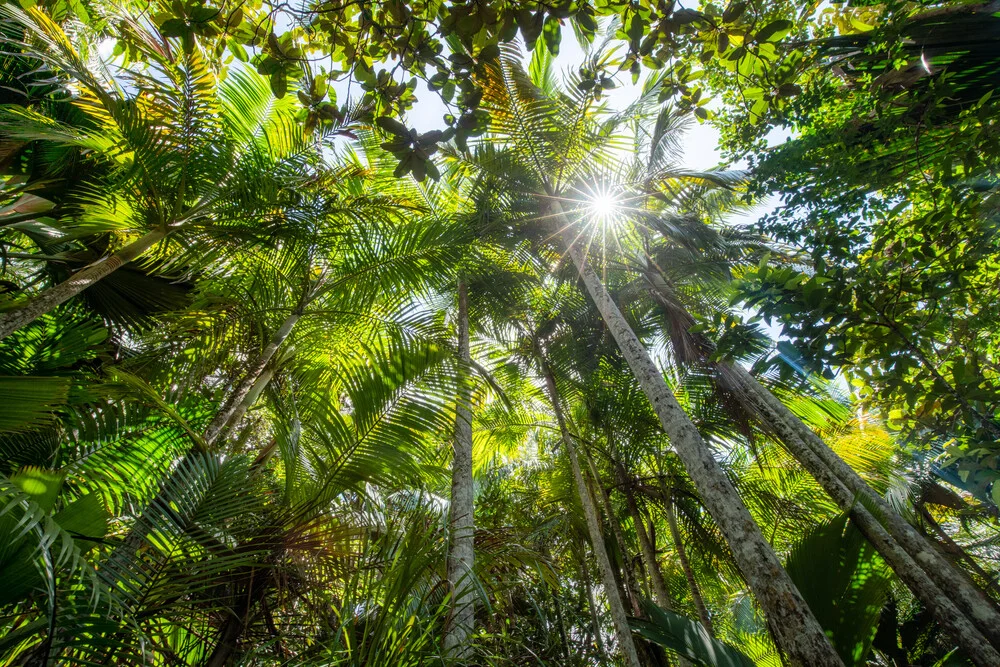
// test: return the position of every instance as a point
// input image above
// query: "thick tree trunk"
(461, 555)
(931, 578)
(696, 597)
(945, 591)
(618, 616)
(796, 631)
(79, 281)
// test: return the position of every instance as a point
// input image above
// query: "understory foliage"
(230, 371)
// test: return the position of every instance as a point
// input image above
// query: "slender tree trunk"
(594, 620)
(931, 578)
(648, 552)
(796, 631)
(618, 616)
(950, 546)
(629, 587)
(235, 403)
(677, 539)
(944, 590)
(251, 397)
(559, 615)
(246, 596)
(79, 281)
(461, 555)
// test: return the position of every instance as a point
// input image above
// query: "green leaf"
(41, 485)
(844, 582)
(774, 31)
(552, 34)
(734, 11)
(279, 84)
(30, 402)
(86, 519)
(203, 14)
(392, 126)
(174, 28)
(687, 637)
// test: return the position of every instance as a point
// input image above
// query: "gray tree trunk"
(957, 605)
(796, 631)
(677, 539)
(980, 609)
(595, 622)
(79, 281)
(461, 555)
(648, 552)
(251, 397)
(935, 592)
(629, 587)
(618, 616)
(235, 403)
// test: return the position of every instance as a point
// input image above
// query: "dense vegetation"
(286, 381)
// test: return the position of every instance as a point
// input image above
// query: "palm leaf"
(688, 638)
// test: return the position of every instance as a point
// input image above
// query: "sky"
(700, 142)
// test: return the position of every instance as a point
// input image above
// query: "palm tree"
(294, 327)
(194, 162)
(461, 555)
(971, 619)
(555, 138)
(965, 611)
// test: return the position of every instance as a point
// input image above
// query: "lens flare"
(603, 206)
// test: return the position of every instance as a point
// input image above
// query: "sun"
(602, 205)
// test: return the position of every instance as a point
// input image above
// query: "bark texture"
(618, 616)
(961, 589)
(648, 552)
(699, 601)
(235, 404)
(957, 605)
(796, 631)
(630, 589)
(461, 554)
(942, 601)
(79, 281)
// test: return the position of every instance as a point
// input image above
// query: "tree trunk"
(243, 391)
(461, 555)
(558, 609)
(925, 572)
(699, 601)
(79, 281)
(251, 397)
(594, 620)
(618, 616)
(796, 631)
(950, 546)
(648, 552)
(629, 587)
(931, 578)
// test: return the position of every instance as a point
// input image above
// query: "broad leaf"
(687, 637)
